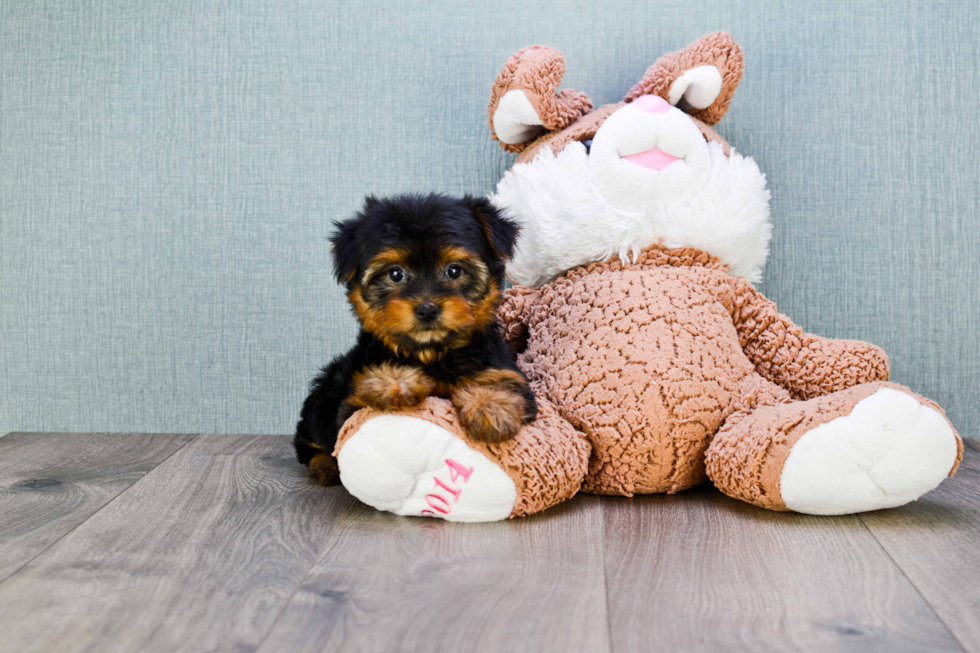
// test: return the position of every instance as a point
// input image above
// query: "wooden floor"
(114, 542)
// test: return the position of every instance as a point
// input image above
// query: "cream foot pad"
(889, 450)
(410, 466)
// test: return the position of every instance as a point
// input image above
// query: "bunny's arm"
(514, 312)
(804, 364)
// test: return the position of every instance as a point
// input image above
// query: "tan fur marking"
(390, 387)
(489, 413)
(508, 379)
(453, 253)
(323, 469)
(428, 356)
(485, 311)
(364, 311)
(396, 320)
(398, 316)
(384, 258)
(457, 315)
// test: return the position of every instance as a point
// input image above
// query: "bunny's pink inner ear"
(525, 101)
(700, 79)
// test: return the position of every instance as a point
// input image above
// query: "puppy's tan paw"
(501, 379)
(324, 470)
(391, 387)
(489, 413)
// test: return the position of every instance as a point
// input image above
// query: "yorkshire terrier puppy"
(423, 274)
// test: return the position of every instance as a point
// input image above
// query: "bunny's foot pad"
(411, 466)
(889, 450)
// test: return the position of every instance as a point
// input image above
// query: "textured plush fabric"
(649, 359)
(581, 130)
(169, 171)
(806, 365)
(537, 71)
(718, 50)
(547, 460)
(568, 115)
(745, 460)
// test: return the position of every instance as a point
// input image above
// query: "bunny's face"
(648, 153)
(592, 184)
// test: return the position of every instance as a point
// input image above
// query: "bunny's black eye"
(397, 275)
(454, 271)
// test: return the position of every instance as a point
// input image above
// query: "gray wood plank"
(389, 583)
(701, 572)
(936, 542)
(52, 482)
(202, 554)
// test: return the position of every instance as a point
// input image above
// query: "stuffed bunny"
(656, 363)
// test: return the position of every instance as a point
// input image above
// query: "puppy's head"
(424, 272)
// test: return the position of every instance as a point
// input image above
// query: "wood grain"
(225, 545)
(701, 572)
(935, 541)
(390, 583)
(52, 482)
(202, 554)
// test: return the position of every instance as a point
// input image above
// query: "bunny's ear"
(525, 101)
(700, 79)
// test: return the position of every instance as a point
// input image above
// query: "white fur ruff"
(567, 222)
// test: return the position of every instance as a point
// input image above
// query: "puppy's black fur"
(424, 275)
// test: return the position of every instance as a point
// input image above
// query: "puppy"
(423, 274)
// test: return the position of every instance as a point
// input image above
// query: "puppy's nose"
(427, 311)
(651, 103)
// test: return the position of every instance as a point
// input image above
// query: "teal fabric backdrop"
(169, 172)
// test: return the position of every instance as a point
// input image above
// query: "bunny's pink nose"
(651, 103)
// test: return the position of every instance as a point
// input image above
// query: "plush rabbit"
(656, 363)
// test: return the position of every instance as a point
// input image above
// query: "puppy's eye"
(396, 275)
(454, 271)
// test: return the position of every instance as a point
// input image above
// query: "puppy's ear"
(501, 232)
(344, 248)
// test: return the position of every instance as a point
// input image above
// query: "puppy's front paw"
(391, 387)
(323, 470)
(489, 413)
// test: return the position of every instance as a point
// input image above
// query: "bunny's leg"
(872, 446)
